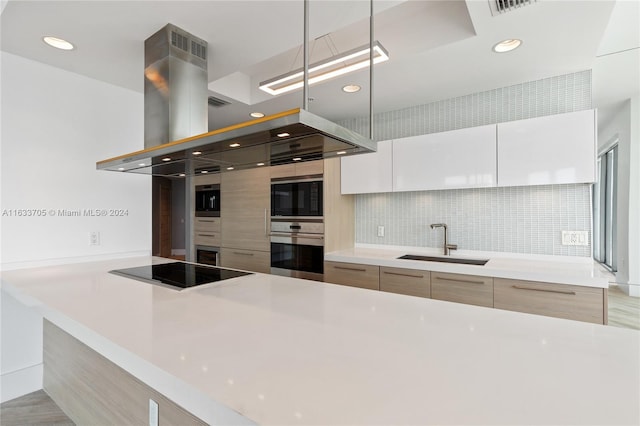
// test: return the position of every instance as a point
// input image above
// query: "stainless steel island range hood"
(287, 137)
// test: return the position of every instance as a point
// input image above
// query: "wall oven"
(207, 200)
(207, 255)
(293, 198)
(297, 248)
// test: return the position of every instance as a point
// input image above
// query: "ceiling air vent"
(217, 102)
(501, 6)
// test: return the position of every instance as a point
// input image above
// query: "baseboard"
(18, 383)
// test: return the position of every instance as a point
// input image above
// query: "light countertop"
(277, 350)
(552, 269)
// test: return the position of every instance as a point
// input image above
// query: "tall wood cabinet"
(245, 210)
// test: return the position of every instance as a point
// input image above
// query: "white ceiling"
(438, 49)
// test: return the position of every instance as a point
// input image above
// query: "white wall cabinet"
(554, 149)
(464, 158)
(367, 173)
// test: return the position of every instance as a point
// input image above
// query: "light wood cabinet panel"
(246, 209)
(248, 260)
(208, 179)
(91, 390)
(554, 300)
(352, 274)
(306, 168)
(368, 173)
(207, 238)
(339, 210)
(469, 289)
(405, 281)
(554, 149)
(207, 224)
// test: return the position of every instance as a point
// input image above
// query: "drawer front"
(248, 260)
(554, 300)
(405, 281)
(352, 274)
(206, 238)
(207, 224)
(469, 289)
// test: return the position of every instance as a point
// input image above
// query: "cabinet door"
(367, 173)
(405, 281)
(555, 149)
(464, 158)
(248, 260)
(352, 274)
(554, 300)
(469, 289)
(245, 209)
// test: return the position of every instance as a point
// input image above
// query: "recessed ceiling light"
(257, 114)
(297, 159)
(507, 45)
(234, 145)
(204, 171)
(341, 152)
(58, 43)
(229, 168)
(141, 164)
(121, 168)
(182, 175)
(351, 88)
(166, 159)
(260, 164)
(197, 152)
(283, 135)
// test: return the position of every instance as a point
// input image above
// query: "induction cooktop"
(179, 274)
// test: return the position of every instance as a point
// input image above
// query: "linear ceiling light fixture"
(335, 66)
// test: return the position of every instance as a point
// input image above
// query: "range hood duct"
(176, 109)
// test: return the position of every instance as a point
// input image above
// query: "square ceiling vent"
(499, 7)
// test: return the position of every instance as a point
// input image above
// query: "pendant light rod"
(305, 58)
(371, 54)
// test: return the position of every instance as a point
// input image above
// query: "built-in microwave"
(296, 197)
(207, 200)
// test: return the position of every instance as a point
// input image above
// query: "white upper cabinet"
(554, 149)
(367, 173)
(464, 158)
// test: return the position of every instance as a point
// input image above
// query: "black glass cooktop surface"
(179, 274)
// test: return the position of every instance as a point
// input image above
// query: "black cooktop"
(179, 274)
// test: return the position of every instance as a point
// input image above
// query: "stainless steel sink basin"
(445, 259)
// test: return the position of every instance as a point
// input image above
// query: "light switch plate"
(380, 231)
(575, 238)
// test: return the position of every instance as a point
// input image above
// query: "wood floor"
(624, 311)
(33, 409)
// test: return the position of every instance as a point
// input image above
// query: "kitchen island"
(275, 350)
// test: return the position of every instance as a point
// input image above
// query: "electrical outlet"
(153, 413)
(575, 238)
(94, 238)
(380, 231)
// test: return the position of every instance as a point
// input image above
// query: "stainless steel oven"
(297, 248)
(208, 255)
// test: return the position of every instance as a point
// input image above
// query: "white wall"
(55, 126)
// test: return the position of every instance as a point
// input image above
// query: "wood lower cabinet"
(469, 289)
(92, 390)
(411, 282)
(248, 260)
(245, 208)
(554, 300)
(352, 274)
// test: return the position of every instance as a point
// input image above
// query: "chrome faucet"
(447, 247)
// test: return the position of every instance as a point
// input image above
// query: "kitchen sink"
(445, 259)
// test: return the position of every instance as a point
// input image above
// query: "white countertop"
(552, 269)
(278, 350)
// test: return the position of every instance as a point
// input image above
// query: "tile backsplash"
(517, 219)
